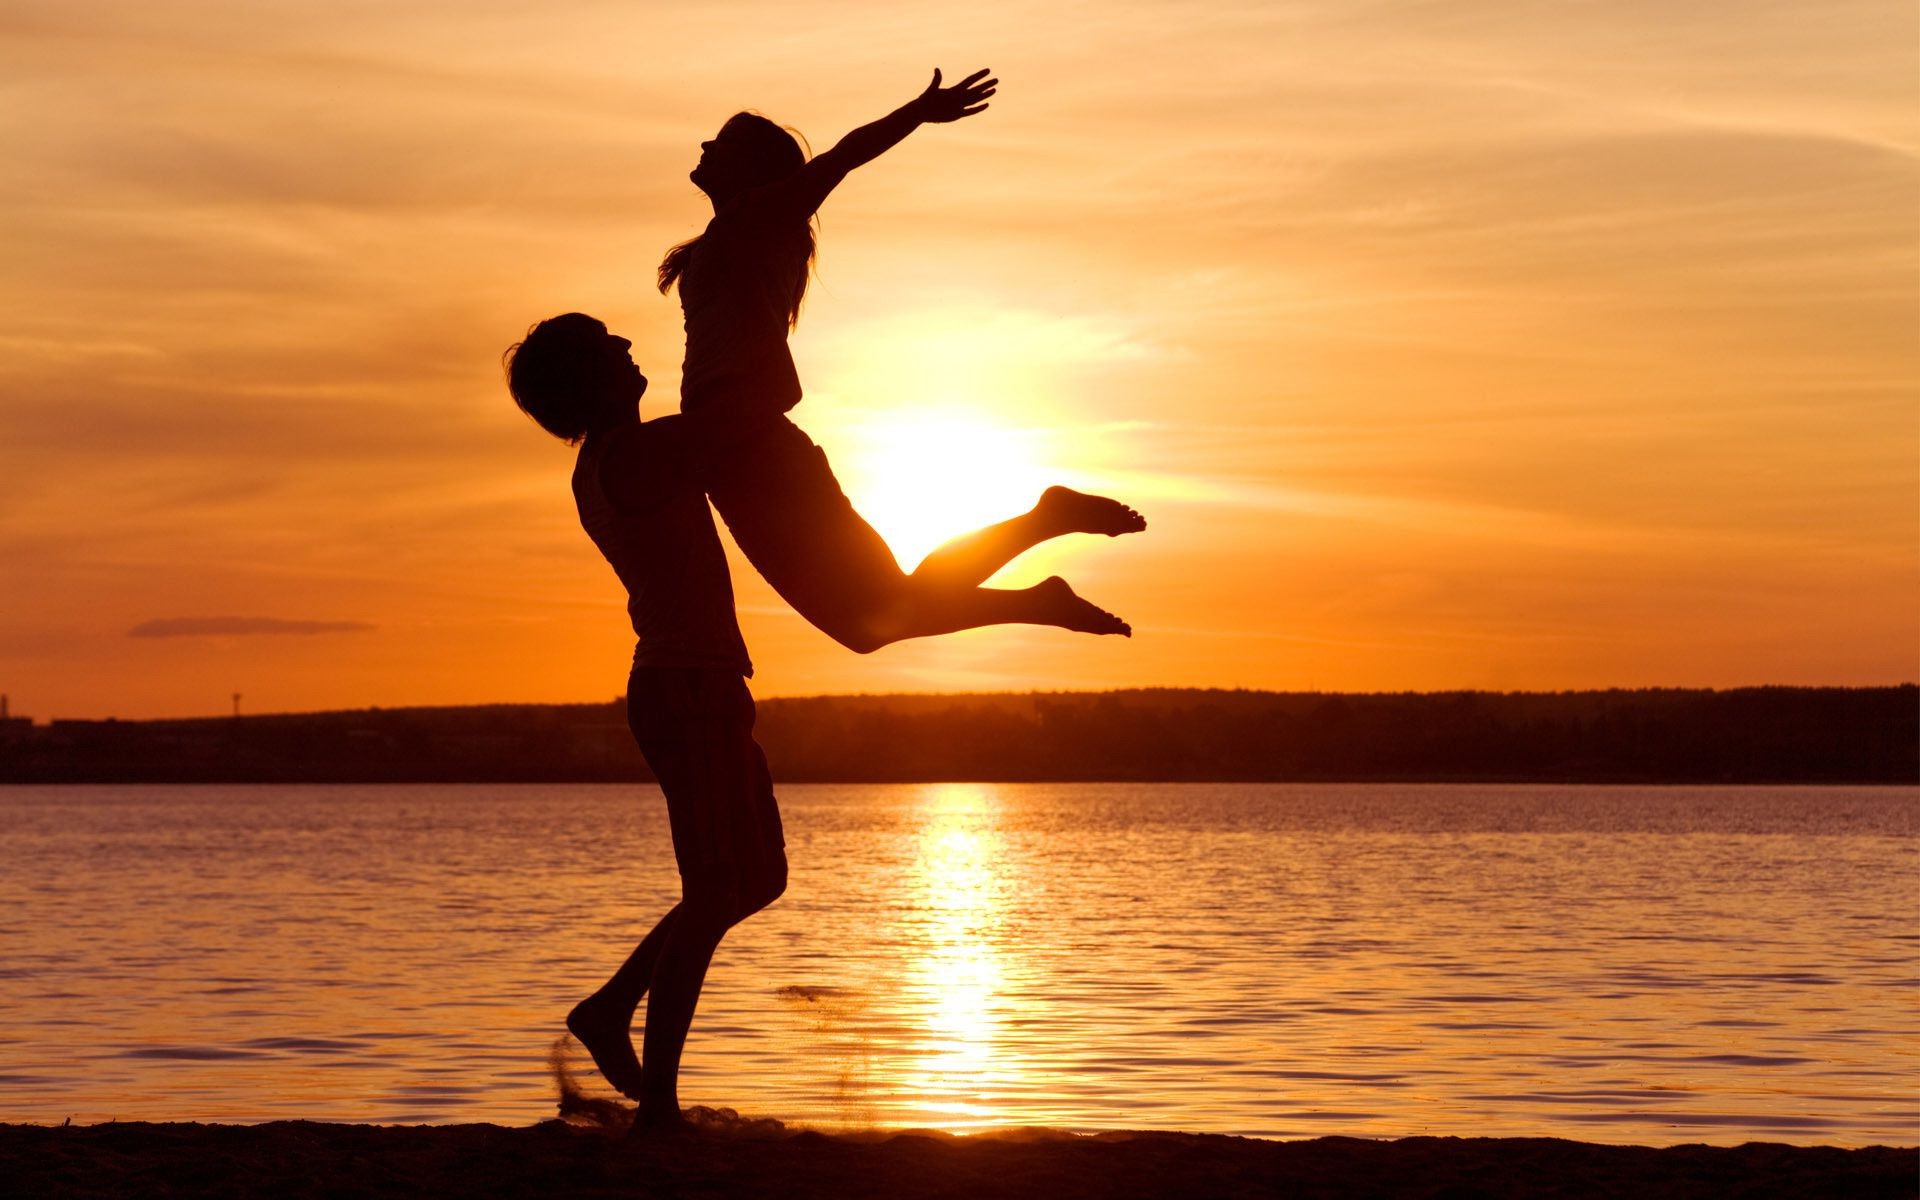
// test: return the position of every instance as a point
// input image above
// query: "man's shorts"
(695, 727)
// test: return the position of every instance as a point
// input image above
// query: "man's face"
(618, 353)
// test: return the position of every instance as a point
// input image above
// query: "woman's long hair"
(777, 153)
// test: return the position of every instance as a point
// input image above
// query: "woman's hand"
(808, 186)
(963, 99)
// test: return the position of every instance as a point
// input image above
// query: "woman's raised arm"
(937, 105)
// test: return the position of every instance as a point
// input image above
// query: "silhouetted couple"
(642, 489)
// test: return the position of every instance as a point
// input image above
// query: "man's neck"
(614, 421)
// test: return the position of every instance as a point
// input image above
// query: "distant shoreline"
(302, 1158)
(1767, 735)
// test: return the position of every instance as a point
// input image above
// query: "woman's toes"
(1078, 512)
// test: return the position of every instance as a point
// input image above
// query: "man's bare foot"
(1062, 607)
(1076, 512)
(606, 1033)
(659, 1121)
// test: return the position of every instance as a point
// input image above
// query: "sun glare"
(945, 420)
(924, 477)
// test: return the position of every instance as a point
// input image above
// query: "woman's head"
(570, 375)
(749, 152)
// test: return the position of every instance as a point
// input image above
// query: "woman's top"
(735, 294)
(665, 550)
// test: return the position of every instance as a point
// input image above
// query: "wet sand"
(754, 1159)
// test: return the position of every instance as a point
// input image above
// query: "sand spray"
(827, 1030)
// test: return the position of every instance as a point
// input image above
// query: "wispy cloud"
(1425, 331)
(164, 627)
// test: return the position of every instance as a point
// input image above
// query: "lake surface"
(1651, 965)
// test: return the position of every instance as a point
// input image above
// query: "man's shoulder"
(637, 466)
(639, 437)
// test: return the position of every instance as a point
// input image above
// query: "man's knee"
(707, 901)
(766, 886)
(721, 905)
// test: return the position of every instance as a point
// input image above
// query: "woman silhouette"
(741, 282)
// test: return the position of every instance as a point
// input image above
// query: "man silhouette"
(640, 491)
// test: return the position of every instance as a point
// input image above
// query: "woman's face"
(723, 160)
(733, 160)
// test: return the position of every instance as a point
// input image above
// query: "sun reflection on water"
(1645, 965)
(960, 900)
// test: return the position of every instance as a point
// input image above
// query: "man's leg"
(603, 1022)
(697, 732)
(678, 976)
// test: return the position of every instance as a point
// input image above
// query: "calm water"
(1632, 965)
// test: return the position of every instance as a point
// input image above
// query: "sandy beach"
(752, 1159)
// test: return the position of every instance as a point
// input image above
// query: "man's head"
(572, 376)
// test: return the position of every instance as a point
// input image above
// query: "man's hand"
(940, 105)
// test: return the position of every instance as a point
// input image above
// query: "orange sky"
(1516, 345)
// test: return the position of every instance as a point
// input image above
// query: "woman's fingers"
(967, 97)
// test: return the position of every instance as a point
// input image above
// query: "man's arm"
(809, 186)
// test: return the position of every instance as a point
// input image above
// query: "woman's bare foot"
(1076, 512)
(607, 1035)
(1061, 606)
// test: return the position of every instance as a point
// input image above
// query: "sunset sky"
(1515, 345)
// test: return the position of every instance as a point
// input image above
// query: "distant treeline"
(1747, 735)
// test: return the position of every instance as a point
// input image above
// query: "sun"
(923, 477)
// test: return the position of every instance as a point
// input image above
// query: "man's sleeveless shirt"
(679, 594)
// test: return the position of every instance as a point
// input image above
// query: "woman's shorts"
(695, 727)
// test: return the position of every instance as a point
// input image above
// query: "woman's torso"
(777, 491)
(736, 294)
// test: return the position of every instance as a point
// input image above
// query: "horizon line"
(1035, 692)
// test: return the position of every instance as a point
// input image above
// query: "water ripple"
(1633, 964)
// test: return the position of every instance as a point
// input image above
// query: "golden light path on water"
(958, 975)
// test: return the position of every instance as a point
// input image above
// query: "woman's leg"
(854, 591)
(791, 519)
(882, 611)
(929, 610)
(943, 593)
(972, 558)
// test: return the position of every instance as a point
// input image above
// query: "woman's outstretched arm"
(937, 105)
